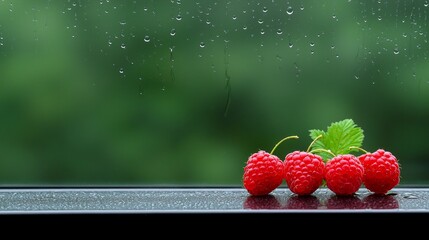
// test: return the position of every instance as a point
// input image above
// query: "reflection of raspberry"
(261, 202)
(263, 173)
(343, 174)
(377, 201)
(302, 202)
(381, 171)
(344, 202)
(303, 172)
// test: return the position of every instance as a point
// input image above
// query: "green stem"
(284, 139)
(311, 144)
(323, 150)
(358, 148)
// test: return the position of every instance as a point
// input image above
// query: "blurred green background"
(182, 92)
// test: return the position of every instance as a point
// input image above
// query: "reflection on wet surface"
(153, 200)
(372, 201)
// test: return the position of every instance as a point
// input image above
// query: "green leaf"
(338, 138)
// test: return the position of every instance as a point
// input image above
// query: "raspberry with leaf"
(263, 171)
(343, 171)
(344, 174)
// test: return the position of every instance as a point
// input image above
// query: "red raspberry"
(344, 174)
(303, 172)
(382, 171)
(263, 173)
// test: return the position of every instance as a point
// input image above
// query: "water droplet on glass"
(265, 9)
(312, 44)
(289, 10)
(334, 16)
(208, 22)
(279, 31)
(179, 17)
(121, 71)
(234, 17)
(244, 27)
(404, 35)
(123, 46)
(202, 44)
(262, 31)
(173, 32)
(396, 51)
(410, 196)
(356, 77)
(147, 38)
(302, 7)
(312, 51)
(260, 21)
(123, 22)
(379, 18)
(426, 4)
(290, 45)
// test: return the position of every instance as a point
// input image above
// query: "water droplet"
(426, 4)
(289, 10)
(260, 21)
(312, 44)
(410, 196)
(234, 17)
(173, 32)
(244, 27)
(262, 31)
(208, 22)
(265, 9)
(302, 7)
(312, 51)
(356, 77)
(123, 46)
(179, 17)
(404, 35)
(178, 2)
(379, 18)
(290, 45)
(123, 22)
(147, 38)
(334, 16)
(202, 44)
(279, 31)
(121, 71)
(396, 51)
(332, 46)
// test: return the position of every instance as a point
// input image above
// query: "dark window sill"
(169, 205)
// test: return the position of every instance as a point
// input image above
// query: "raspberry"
(382, 171)
(344, 174)
(263, 173)
(303, 172)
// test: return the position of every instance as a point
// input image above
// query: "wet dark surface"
(205, 200)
